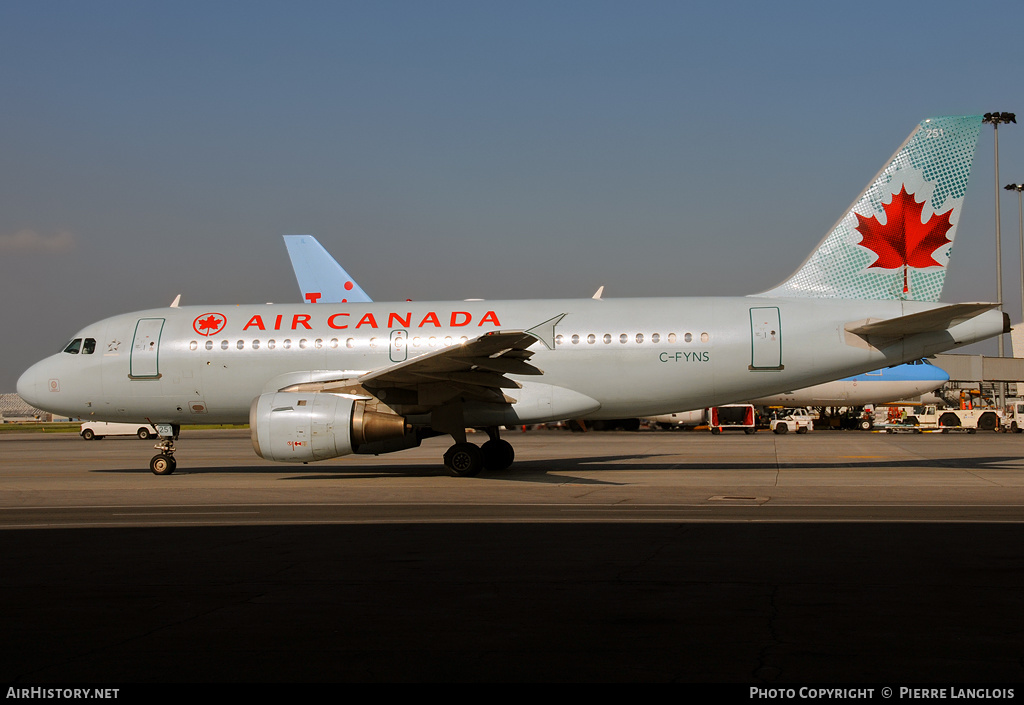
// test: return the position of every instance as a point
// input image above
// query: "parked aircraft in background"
(324, 380)
(889, 384)
(321, 279)
(875, 387)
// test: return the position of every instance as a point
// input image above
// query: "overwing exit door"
(399, 346)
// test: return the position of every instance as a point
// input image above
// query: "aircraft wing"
(925, 322)
(476, 369)
(472, 371)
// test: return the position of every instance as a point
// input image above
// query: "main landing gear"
(164, 463)
(466, 459)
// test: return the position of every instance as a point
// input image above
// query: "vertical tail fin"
(895, 240)
(321, 279)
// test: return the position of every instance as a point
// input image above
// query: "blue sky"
(449, 150)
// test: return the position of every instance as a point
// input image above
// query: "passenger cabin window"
(74, 347)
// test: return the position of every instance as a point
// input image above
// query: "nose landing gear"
(164, 463)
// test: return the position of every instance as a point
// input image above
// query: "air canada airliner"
(319, 381)
(321, 278)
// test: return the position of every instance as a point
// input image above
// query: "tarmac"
(830, 557)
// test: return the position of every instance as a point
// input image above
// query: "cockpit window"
(74, 346)
(89, 346)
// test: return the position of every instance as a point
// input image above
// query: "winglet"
(599, 293)
(545, 332)
(177, 300)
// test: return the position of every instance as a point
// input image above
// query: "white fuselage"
(614, 358)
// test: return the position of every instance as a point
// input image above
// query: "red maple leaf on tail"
(904, 241)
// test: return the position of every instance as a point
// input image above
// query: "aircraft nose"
(31, 384)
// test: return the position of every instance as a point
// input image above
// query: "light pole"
(995, 119)
(1019, 188)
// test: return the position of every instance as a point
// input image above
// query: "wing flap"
(488, 349)
(473, 371)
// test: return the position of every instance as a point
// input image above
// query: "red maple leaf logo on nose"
(209, 323)
(904, 241)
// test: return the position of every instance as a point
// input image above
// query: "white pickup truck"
(95, 430)
(796, 420)
(1013, 417)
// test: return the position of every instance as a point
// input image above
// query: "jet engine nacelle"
(300, 427)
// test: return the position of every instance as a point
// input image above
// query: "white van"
(95, 430)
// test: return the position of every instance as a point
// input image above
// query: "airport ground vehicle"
(95, 430)
(740, 417)
(1013, 417)
(796, 420)
(970, 420)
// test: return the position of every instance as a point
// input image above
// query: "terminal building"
(14, 409)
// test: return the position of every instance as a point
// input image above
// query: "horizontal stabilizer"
(925, 322)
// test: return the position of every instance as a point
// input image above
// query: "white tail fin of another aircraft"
(894, 241)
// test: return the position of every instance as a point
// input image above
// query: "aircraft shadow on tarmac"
(559, 470)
